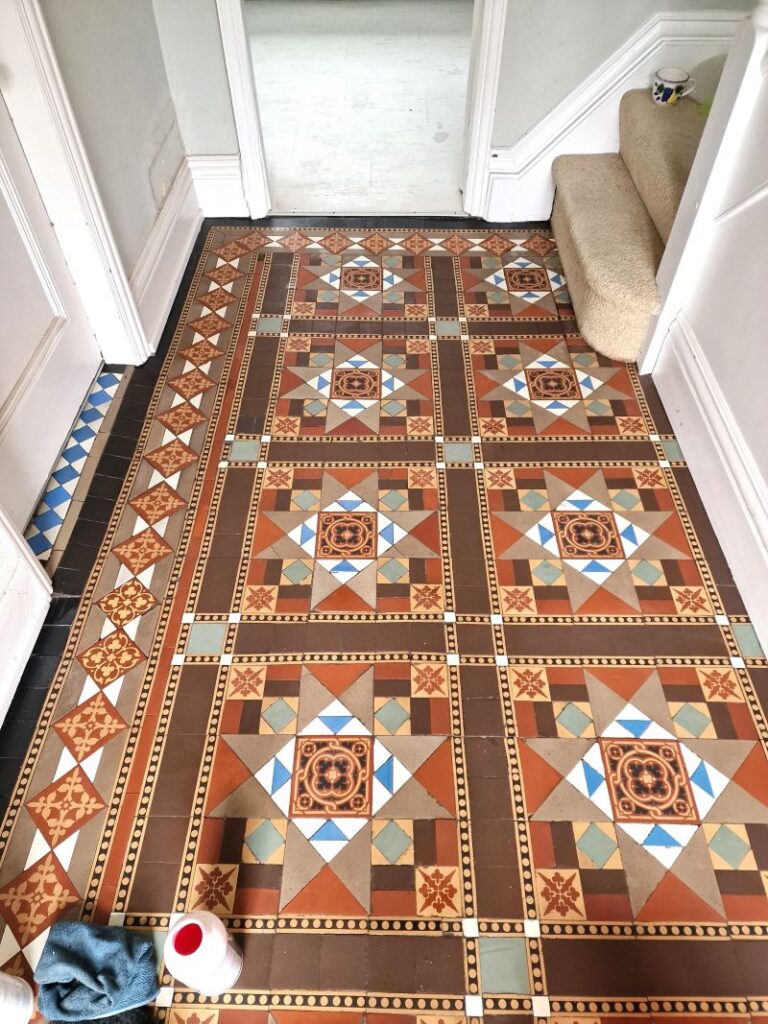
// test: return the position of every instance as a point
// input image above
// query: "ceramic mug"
(670, 85)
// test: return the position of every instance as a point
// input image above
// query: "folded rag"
(87, 971)
(140, 1015)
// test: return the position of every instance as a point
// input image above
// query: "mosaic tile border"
(47, 520)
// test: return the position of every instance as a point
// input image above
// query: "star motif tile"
(336, 801)
(351, 388)
(352, 547)
(646, 802)
(548, 387)
(593, 541)
(354, 286)
(511, 284)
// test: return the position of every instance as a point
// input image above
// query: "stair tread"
(618, 245)
(658, 145)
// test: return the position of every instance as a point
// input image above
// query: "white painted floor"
(362, 103)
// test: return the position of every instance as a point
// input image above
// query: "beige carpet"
(658, 145)
(610, 251)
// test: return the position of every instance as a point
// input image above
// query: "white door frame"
(45, 123)
(242, 87)
(488, 20)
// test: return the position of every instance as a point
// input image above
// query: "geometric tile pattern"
(411, 655)
(594, 540)
(48, 518)
(350, 812)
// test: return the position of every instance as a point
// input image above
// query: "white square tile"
(116, 920)
(261, 464)
(532, 928)
(479, 465)
(266, 438)
(452, 659)
(234, 617)
(438, 438)
(225, 659)
(470, 927)
(229, 437)
(439, 465)
(177, 659)
(738, 662)
(224, 465)
(475, 439)
(653, 437)
(721, 620)
(164, 996)
(664, 463)
(502, 659)
(497, 620)
(540, 1006)
(473, 1006)
(449, 616)
(188, 617)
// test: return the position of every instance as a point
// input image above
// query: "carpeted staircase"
(613, 214)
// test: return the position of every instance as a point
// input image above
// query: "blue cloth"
(87, 971)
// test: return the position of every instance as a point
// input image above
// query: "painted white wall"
(551, 46)
(110, 59)
(519, 183)
(713, 362)
(190, 40)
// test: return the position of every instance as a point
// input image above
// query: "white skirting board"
(25, 594)
(156, 277)
(219, 185)
(734, 493)
(519, 177)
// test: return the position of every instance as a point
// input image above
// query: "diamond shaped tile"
(65, 806)
(33, 900)
(171, 457)
(89, 726)
(126, 602)
(191, 384)
(181, 418)
(157, 503)
(110, 657)
(209, 325)
(142, 550)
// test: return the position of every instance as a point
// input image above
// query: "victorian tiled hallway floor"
(409, 652)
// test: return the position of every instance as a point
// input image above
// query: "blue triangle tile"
(386, 774)
(329, 831)
(592, 778)
(335, 722)
(280, 775)
(637, 726)
(701, 778)
(660, 837)
(344, 566)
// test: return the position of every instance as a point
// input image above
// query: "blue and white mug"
(670, 85)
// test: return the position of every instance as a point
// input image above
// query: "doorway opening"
(362, 103)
